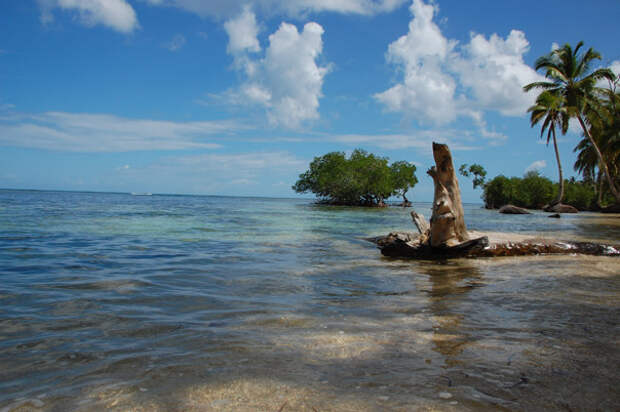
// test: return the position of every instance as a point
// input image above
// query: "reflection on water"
(199, 303)
(449, 281)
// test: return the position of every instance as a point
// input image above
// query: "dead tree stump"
(447, 221)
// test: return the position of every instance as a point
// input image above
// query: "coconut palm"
(550, 109)
(607, 135)
(587, 165)
(570, 76)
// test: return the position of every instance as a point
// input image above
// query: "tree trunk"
(599, 195)
(558, 200)
(447, 221)
(601, 160)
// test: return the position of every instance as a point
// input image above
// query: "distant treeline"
(534, 191)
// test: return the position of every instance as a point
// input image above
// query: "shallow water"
(119, 302)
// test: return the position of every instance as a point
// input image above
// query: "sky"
(223, 97)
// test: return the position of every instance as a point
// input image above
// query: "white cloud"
(442, 81)
(427, 91)
(242, 33)
(494, 70)
(176, 43)
(492, 135)
(535, 166)
(287, 81)
(77, 132)
(224, 9)
(615, 67)
(115, 14)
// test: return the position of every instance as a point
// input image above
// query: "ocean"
(121, 302)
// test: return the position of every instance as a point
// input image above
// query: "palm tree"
(569, 76)
(551, 110)
(587, 165)
(607, 134)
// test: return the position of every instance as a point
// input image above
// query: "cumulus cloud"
(225, 9)
(494, 70)
(242, 33)
(287, 80)
(536, 166)
(427, 91)
(176, 43)
(77, 132)
(115, 14)
(441, 81)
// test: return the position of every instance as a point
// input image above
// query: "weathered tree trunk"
(447, 221)
(599, 195)
(420, 222)
(560, 197)
(404, 245)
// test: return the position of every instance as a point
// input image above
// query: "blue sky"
(236, 98)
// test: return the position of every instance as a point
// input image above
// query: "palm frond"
(539, 85)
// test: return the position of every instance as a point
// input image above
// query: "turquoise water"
(113, 301)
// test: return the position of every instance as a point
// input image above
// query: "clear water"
(120, 302)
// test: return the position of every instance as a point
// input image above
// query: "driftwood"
(407, 245)
(420, 222)
(447, 235)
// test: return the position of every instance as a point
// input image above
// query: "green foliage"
(403, 177)
(534, 191)
(606, 133)
(475, 170)
(580, 195)
(498, 192)
(571, 90)
(362, 179)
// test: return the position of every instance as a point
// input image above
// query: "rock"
(556, 215)
(560, 208)
(513, 210)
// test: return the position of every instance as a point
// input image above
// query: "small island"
(363, 179)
